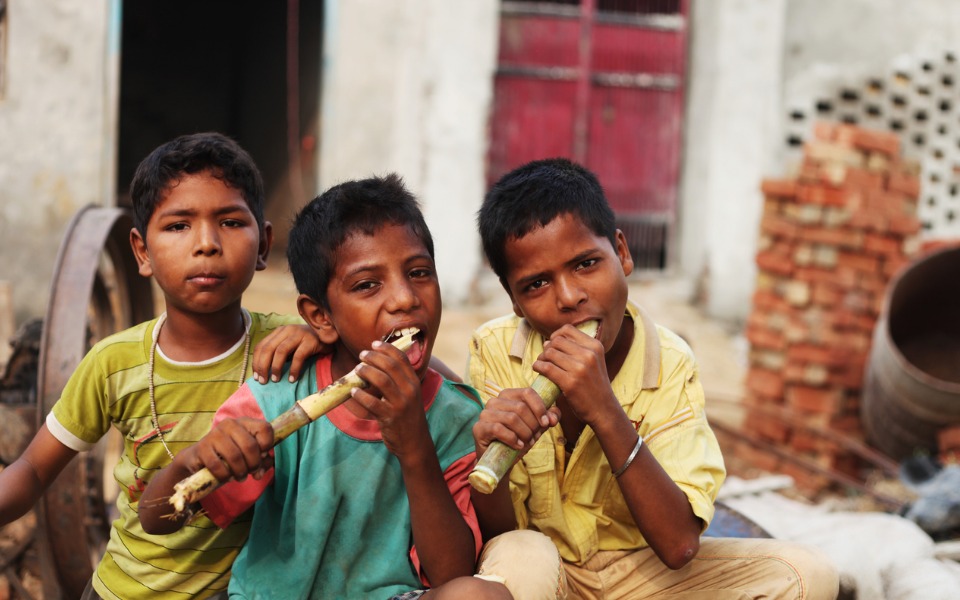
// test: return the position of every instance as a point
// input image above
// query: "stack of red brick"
(831, 239)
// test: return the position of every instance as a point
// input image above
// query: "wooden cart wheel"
(96, 291)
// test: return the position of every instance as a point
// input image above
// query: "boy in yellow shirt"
(622, 474)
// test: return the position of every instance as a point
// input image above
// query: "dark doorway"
(245, 68)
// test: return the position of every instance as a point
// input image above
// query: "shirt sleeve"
(483, 375)
(80, 416)
(456, 478)
(684, 444)
(232, 499)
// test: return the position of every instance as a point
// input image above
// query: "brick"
(889, 203)
(878, 162)
(767, 359)
(843, 278)
(863, 263)
(837, 216)
(832, 174)
(848, 319)
(803, 255)
(758, 459)
(765, 338)
(775, 262)
(882, 244)
(825, 256)
(863, 179)
(831, 236)
(779, 188)
(826, 294)
(768, 427)
(813, 399)
(867, 219)
(774, 225)
(805, 214)
(893, 266)
(806, 441)
(809, 353)
(904, 224)
(826, 151)
(768, 300)
(824, 130)
(824, 196)
(884, 142)
(899, 181)
(797, 293)
(814, 375)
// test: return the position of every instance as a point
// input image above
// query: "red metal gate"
(600, 82)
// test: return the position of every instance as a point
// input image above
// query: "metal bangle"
(630, 458)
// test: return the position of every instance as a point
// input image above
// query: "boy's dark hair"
(188, 155)
(321, 227)
(535, 194)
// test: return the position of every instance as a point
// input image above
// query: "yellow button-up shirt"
(578, 503)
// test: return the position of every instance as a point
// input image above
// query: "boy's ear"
(318, 318)
(266, 242)
(623, 253)
(139, 246)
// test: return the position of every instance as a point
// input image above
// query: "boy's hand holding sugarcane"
(236, 448)
(232, 450)
(573, 360)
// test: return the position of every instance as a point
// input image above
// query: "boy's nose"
(402, 297)
(568, 294)
(208, 240)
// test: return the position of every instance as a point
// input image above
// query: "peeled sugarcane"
(499, 457)
(305, 411)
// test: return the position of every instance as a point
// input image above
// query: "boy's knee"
(820, 576)
(527, 562)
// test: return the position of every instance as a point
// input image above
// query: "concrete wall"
(57, 129)
(731, 132)
(407, 87)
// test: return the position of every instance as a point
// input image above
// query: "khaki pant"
(529, 565)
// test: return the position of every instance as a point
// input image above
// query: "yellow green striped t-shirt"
(110, 387)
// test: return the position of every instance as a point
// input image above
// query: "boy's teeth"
(402, 332)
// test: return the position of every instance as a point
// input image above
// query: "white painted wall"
(57, 130)
(407, 87)
(731, 133)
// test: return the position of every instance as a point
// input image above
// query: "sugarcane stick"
(306, 410)
(499, 457)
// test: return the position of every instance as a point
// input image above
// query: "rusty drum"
(912, 379)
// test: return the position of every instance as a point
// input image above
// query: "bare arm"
(232, 450)
(24, 481)
(517, 418)
(443, 539)
(660, 509)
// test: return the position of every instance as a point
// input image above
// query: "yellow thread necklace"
(153, 350)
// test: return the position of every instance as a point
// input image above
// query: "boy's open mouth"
(415, 351)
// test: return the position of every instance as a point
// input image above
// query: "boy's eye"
(232, 223)
(176, 227)
(536, 285)
(363, 285)
(587, 263)
(420, 273)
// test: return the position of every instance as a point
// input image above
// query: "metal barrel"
(912, 379)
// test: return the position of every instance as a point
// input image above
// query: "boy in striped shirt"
(200, 233)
